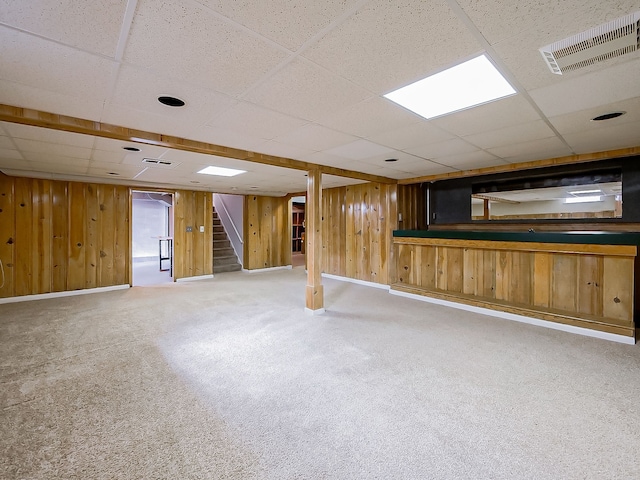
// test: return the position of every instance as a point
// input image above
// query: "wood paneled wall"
(193, 251)
(358, 221)
(412, 205)
(57, 236)
(589, 286)
(267, 232)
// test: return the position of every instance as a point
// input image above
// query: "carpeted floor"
(229, 378)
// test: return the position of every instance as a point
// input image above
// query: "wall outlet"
(201, 228)
(189, 229)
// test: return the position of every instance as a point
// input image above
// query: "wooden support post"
(486, 212)
(313, 221)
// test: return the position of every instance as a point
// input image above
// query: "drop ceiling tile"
(46, 65)
(498, 20)
(190, 43)
(226, 137)
(535, 150)
(48, 167)
(469, 161)
(443, 149)
(39, 134)
(431, 169)
(609, 138)
(509, 135)
(51, 159)
(278, 149)
(323, 158)
(359, 150)
(6, 143)
(315, 137)
(139, 89)
(271, 19)
(502, 113)
(387, 45)
(10, 155)
(102, 156)
(576, 122)
(124, 171)
(304, 90)
(595, 89)
(369, 117)
(25, 96)
(69, 22)
(256, 121)
(415, 135)
(110, 145)
(43, 150)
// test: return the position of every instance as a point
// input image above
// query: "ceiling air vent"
(618, 37)
(155, 162)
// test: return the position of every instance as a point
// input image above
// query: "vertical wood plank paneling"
(41, 236)
(503, 275)
(542, 279)
(590, 272)
(455, 269)
(107, 241)
(7, 235)
(59, 236)
(489, 265)
(77, 236)
(442, 267)
(267, 236)
(349, 246)
(428, 269)
(617, 294)
(122, 229)
(24, 236)
(564, 280)
(207, 239)
(179, 222)
(412, 201)
(193, 251)
(405, 264)
(92, 233)
(470, 271)
(521, 278)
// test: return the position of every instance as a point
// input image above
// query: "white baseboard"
(268, 269)
(192, 279)
(359, 282)
(520, 318)
(69, 293)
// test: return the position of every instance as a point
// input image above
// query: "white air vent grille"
(156, 162)
(618, 37)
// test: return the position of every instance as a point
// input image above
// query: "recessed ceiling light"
(113, 173)
(607, 116)
(170, 101)
(221, 171)
(391, 160)
(466, 85)
(253, 188)
(194, 181)
(131, 149)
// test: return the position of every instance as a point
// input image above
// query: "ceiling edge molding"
(38, 118)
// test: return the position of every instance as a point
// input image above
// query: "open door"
(152, 238)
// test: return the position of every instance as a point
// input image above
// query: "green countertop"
(596, 237)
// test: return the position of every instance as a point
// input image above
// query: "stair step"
(228, 260)
(226, 243)
(220, 236)
(227, 268)
(223, 252)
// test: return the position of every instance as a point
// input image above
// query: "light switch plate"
(201, 228)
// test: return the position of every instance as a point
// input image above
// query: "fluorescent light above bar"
(466, 85)
(221, 171)
(587, 199)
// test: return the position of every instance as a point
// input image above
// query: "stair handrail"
(230, 220)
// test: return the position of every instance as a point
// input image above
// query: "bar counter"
(581, 279)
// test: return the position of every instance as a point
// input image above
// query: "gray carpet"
(229, 378)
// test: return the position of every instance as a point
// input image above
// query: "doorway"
(298, 231)
(152, 238)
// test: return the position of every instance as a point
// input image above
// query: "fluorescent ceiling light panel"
(221, 171)
(584, 192)
(592, 198)
(466, 85)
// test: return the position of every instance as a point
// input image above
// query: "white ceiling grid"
(300, 79)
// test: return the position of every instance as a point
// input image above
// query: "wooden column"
(313, 220)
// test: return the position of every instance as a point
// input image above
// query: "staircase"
(224, 257)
